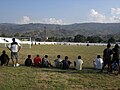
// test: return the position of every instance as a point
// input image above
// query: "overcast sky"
(59, 11)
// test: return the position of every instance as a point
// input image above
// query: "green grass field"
(32, 78)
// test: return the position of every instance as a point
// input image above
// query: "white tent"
(2, 40)
(8, 40)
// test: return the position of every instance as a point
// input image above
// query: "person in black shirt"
(4, 58)
(116, 53)
(107, 57)
(28, 61)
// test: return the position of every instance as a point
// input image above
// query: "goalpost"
(25, 42)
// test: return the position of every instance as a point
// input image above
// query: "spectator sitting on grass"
(46, 62)
(66, 63)
(98, 63)
(28, 61)
(37, 61)
(4, 58)
(58, 62)
(78, 63)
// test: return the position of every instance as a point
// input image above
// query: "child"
(98, 63)
(28, 61)
(65, 63)
(46, 62)
(58, 62)
(37, 61)
(78, 63)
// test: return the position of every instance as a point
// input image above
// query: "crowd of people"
(42, 62)
(110, 56)
(15, 47)
(58, 62)
(45, 62)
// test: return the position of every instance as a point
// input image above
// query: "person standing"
(14, 47)
(116, 53)
(107, 57)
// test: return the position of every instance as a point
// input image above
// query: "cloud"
(26, 19)
(53, 21)
(96, 16)
(113, 17)
(115, 10)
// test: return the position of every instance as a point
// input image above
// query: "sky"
(59, 11)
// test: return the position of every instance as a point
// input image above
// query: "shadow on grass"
(86, 70)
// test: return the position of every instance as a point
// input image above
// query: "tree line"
(82, 38)
(76, 38)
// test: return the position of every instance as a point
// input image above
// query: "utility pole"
(58, 28)
(45, 33)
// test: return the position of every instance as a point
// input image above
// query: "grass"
(31, 78)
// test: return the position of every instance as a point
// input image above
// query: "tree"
(118, 40)
(79, 38)
(52, 39)
(38, 39)
(69, 39)
(16, 35)
(94, 39)
(3, 35)
(111, 40)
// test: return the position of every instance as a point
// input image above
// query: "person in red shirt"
(37, 61)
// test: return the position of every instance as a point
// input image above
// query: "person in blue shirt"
(65, 63)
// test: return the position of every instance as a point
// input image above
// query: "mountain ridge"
(86, 29)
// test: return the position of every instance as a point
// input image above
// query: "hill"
(39, 29)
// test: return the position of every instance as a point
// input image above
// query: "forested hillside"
(52, 30)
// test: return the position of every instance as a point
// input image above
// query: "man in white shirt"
(14, 47)
(98, 63)
(78, 63)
